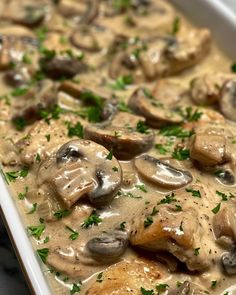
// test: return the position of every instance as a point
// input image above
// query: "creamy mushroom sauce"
(153, 211)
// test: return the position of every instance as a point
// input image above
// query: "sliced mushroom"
(40, 97)
(17, 77)
(81, 168)
(92, 38)
(124, 142)
(162, 173)
(108, 247)
(84, 11)
(26, 12)
(205, 90)
(225, 177)
(62, 66)
(229, 262)
(155, 112)
(228, 100)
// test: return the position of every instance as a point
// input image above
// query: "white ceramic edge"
(210, 13)
(22, 242)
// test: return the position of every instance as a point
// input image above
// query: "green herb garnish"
(43, 254)
(195, 193)
(36, 231)
(93, 219)
(74, 234)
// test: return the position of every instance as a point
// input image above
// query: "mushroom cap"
(155, 112)
(161, 173)
(228, 100)
(124, 143)
(108, 246)
(79, 168)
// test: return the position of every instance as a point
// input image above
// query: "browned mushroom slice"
(62, 66)
(18, 77)
(209, 149)
(124, 142)
(80, 168)
(26, 12)
(92, 38)
(84, 11)
(228, 100)
(206, 89)
(155, 112)
(161, 173)
(40, 97)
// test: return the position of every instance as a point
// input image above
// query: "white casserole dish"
(210, 13)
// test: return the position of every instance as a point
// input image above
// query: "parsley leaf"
(43, 254)
(181, 153)
(216, 209)
(110, 155)
(122, 82)
(123, 107)
(146, 292)
(213, 284)
(161, 287)
(176, 25)
(148, 221)
(93, 219)
(196, 251)
(176, 131)
(61, 213)
(36, 231)
(233, 67)
(75, 289)
(76, 130)
(168, 199)
(21, 196)
(142, 187)
(122, 225)
(161, 149)
(74, 234)
(189, 115)
(142, 128)
(195, 193)
(19, 123)
(99, 277)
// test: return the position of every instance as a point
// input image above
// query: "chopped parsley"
(161, 149)
(33, 209)
(142, 128)
(216, 209)
(225, 197)
(93, 219)
(115, 169)
(110, 155)
(122, 82)
(123, 107)
(168, 199)
(141, 187)
(26, 59)
(178, 208)
(48, 115)
(233, 67)
(190, 115)
(43, 254)
(121, 4)
(213, 284)
(76, 130)
(122, 225)
(36, 231)
(61, 213)
(146, 292)
(181, 153)
(181, 226)
(19, 123)
(148, 221)
(48, 137)
(196, 251)
(76, 288)
(38, 158)
(129, 195)
(176, 131)
(21, 196)
(19, 91)
(46, 240)
(195, 193)
(13, 175)
(74, 234)
(176, 25)
(99, 277)
(161, 288)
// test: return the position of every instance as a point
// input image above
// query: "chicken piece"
(205, 90)
(43, 139)
(178, 230)
(209, 150)
(127, 277)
